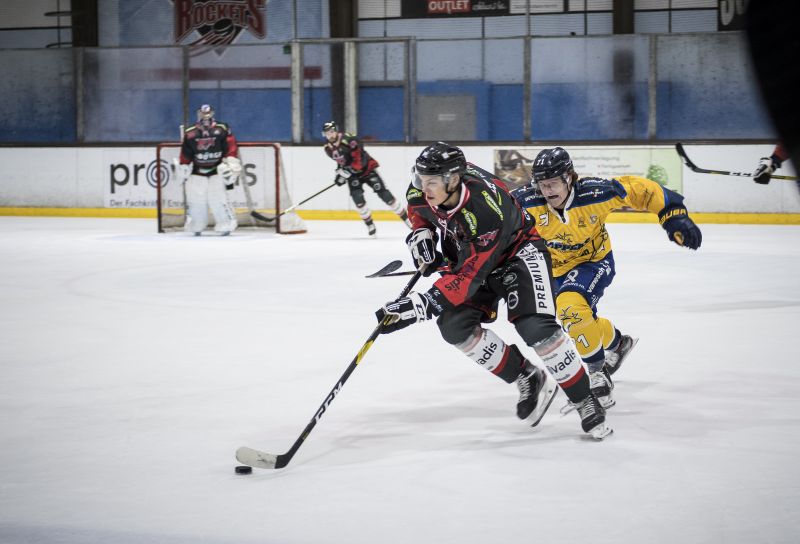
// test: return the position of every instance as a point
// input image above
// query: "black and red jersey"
(205, 148)
(349, 153)
(480, 234)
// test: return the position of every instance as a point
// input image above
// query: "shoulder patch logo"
(492, 204)
(472, 221)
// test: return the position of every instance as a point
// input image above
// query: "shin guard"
(488, 350)
(564, 363)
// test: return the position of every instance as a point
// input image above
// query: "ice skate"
(593, 417)
(615, 357)
(536, 392)
(197, 233)
(601, 386)
(371, 230)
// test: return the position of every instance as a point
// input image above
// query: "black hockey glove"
(680, 228)
(765, 169)
(342, 176)
(404, 312)
(422, 244)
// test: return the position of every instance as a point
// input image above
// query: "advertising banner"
(418, 9)
(661, 164)
(130, 178)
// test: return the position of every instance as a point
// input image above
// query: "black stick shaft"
(283, 459)
(290, 208)
(693, 167)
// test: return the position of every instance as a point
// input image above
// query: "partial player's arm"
(646, 195)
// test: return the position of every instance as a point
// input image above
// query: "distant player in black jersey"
(356, 169)
(490, 250)
(209, 166)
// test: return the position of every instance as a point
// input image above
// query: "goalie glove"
(680, 228)
(422, 244)
(403, 312)
(342, 176)
(230, 169)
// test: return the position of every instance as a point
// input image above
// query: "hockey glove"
(680, 228)
(765, 168)
(422, 244)
(404, 312)
(235, 164)
(342, 176)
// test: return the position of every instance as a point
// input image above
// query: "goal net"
(260, 196)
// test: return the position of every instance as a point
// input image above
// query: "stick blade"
(684, 156)
(262, 217)
(255, 458)
(388, 269)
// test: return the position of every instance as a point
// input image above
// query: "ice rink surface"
(133, 364)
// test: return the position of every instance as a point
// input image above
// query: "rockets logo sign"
(219, 22)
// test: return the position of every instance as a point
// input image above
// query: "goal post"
(260, 195)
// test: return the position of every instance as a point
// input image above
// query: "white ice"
(133, 364)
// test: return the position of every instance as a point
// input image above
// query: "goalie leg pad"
(563, 362)
(224, 214)
(196, 203)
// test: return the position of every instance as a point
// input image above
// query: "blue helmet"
(551, 163)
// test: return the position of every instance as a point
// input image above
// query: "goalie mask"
(440, 159)
(205, 116)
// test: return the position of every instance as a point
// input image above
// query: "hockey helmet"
(328, 126)
(551, 163)
(205, 115)
(439, 159)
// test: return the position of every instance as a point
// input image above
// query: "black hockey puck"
(244, 469)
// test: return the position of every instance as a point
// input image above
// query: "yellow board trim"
(385, 215)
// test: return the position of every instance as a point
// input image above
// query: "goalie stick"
(261, 459)
(693, 167)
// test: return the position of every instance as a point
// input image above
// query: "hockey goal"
(260, 196)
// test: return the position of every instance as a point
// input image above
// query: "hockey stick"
(401, 273)
(290, 208)
(693, 167)
(249, 199)
(260, 459)
(389, 268)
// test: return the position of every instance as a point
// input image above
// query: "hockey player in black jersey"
(355, 168)
(209, 166)
(490, 250)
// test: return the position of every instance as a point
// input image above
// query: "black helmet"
(551, 163)
(442, 159)
(329, 125)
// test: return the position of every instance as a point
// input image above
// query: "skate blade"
(601, 431)
(546, 396)
(569, 407)
(613, 369)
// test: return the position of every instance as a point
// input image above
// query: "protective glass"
(425, 181)
(552, 184)
(329, 132)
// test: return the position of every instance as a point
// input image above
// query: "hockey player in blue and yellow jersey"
(570, 214)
